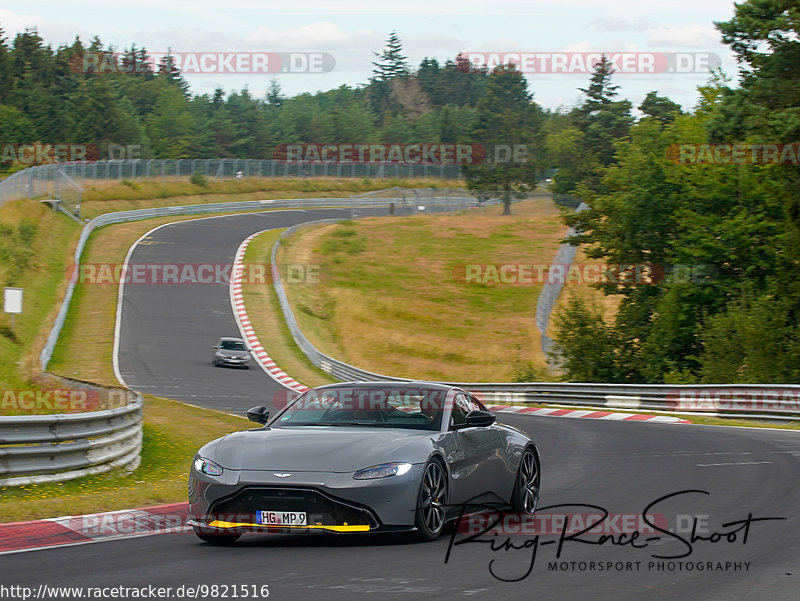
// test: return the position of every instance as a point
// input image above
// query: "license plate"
(282, 518)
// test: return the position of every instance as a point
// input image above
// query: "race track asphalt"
(166, 338)
(167, 331)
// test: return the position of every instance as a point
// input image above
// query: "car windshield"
(370, 407)
(232, 345)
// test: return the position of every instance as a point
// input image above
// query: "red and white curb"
(16, 537)
(246, 328)
(588, 413)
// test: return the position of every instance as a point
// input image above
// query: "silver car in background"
(363, 457)
(233, 352)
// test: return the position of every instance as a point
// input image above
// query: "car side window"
(476, 404)
(460, 410)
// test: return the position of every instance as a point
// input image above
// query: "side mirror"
(216, 348)
(259, 414)
(480, 419)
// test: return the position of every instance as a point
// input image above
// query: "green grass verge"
(43, 280)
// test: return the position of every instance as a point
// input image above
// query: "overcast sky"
(351, 31)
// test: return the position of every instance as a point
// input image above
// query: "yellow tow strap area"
(358, 528)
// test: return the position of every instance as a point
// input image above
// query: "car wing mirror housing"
(480, 419)
(259, 414)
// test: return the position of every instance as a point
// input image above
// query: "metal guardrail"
(765, 401)
(548, 296)
(35, 449)
(768, 401)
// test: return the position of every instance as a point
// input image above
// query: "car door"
(478, 467)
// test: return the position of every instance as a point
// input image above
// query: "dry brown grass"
(389, 301)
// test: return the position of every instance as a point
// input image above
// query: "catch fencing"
(43, 180)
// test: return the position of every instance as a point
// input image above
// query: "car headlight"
(382, 471)
(206, 466)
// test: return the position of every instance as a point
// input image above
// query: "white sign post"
(12, 302)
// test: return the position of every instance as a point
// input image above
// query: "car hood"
(319, 449)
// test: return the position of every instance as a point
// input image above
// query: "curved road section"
(673, 511)
(167, 330)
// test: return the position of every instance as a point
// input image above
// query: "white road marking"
(738, 463)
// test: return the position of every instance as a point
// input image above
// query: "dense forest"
(45, 96)
(733, 224)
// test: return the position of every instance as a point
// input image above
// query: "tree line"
(46, 97)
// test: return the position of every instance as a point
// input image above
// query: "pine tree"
(600, 91)
(275, 95)
(391, 61)
(507, 119)
(169, 70)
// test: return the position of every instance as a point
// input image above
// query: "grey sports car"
(362, 457)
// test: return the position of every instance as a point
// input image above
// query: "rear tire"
(527, 485)
(431, 508)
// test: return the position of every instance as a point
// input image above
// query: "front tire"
(525, 498)
(431, 502)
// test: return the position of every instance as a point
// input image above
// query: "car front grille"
(320, 508)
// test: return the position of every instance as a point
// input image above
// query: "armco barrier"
(52, 448)
(769, 401)
(550, 290)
